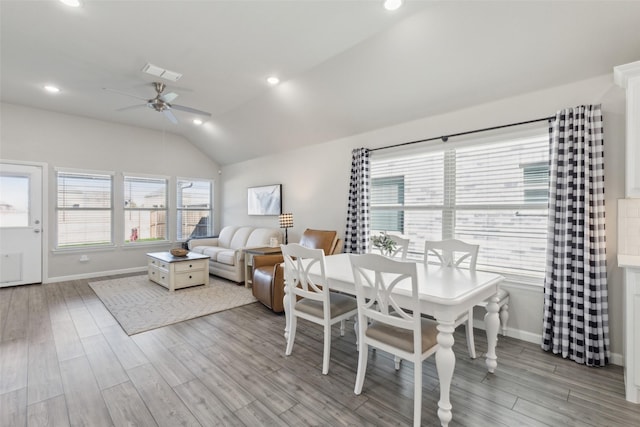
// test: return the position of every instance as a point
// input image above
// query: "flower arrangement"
(384, 243)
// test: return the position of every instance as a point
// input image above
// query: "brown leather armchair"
(268, 273)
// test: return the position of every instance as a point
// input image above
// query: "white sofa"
(226, 251)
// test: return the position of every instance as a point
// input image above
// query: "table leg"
(492, 324)
(445, 363)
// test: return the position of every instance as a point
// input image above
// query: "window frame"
(179, 210)
(151, 177)
(110, 209)
(448, 208)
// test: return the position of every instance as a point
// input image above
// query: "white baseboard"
(94, 274)
(616, 358)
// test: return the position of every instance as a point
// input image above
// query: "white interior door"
(20, 224)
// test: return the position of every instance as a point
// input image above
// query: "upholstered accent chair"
(268, 271)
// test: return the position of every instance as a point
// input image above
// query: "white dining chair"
(454, 253)
(401, 250)
(311, 300)
(384, 325)
(466, 250)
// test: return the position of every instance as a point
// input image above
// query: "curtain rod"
(445, 138)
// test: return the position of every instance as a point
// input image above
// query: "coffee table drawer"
(157, 263)
(159, 275)
(186, 266)
(189, 279)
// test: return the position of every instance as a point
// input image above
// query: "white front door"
(20, 224)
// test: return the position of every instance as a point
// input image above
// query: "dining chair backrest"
(401, 250)
(298, 260)
(382, 322)
(376, 278)
(451, 252)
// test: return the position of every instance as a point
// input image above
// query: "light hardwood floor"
(64, 360)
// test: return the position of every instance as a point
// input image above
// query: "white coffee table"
(174, 272)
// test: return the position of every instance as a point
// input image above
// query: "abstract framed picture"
(264, 200)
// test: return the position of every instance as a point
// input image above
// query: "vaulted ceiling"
(346, 67)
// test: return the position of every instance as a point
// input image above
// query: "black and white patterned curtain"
(576, 319)
(356, 236)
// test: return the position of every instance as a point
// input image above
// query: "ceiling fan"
(161, 103)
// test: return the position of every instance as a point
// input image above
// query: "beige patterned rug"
(139, 305)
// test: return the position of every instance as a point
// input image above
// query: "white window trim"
(168, 207)
(177, 209)
(404, 152)
(84, 248)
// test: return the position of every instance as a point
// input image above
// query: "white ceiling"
(346, 67)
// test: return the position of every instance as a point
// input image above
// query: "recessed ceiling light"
(197, 122)
(52, 89)
(392, 4)
(71, 3)
(273, 80)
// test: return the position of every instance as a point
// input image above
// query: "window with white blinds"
(145, 209)
(491, 192)
(84, 209)
(194, 198)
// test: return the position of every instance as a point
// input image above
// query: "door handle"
(37, 230)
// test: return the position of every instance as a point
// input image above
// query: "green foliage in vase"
(384, 243)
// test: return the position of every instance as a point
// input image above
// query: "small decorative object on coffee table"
(176, 272)
(179, 252)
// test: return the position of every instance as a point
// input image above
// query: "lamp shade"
(286, 220)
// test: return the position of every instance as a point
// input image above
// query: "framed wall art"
(265, 200)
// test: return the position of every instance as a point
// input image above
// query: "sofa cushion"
(226, 234)
(211, 251)
(226, 256)
(240, 237)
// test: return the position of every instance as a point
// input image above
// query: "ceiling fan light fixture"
(162, 103)
(197, 122)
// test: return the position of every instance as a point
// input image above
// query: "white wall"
(59, 140)
(315, 180)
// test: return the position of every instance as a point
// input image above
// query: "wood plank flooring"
(65, 361)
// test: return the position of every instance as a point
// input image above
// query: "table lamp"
(286, 221)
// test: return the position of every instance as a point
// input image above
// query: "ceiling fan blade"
(123, 93)
(169, 115)
(169, 97)
(131, 107)
(190, 110)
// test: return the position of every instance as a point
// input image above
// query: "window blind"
(488, 192)
(84, 209)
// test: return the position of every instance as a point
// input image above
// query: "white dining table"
(445, 293)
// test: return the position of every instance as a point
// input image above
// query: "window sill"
(523, 282)
(146, 244)
(105, 248)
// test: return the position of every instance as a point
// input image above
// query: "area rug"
(139, 305)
